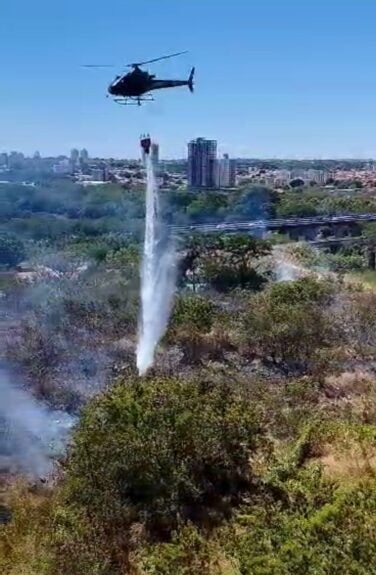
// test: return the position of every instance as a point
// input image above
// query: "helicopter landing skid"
(133, 101)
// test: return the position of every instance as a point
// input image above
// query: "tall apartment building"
(154, 154)
(74, 158)
(84, 156)
(202, 155)
(225, 172)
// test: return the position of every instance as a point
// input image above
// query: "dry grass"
(352, 464)
(22, 550)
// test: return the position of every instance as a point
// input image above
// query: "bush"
(336, 535)
(289, 325)
(12, 250)
(159, 453)
(193, 313)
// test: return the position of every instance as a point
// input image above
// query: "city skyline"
(66, 154)
(274, 80)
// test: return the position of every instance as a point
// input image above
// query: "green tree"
(206, 205)
(231, 263)
(369, 232)
(225, 262)
(290, 326)
(12, 250)
(297, 183)
(157, 452)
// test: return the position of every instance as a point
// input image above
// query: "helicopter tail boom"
(160, 84)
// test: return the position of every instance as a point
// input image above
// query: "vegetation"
(12, 251)
(249, 449)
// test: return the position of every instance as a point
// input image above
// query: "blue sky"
(275, 78)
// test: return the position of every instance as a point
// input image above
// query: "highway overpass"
(274, 224)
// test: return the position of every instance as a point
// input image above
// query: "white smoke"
(31, 434)
(287, 271)
(157, 277)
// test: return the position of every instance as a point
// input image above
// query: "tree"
(12, 250)
(206, 205)
(297, 183)
(157, 453)
(255, 203)
(231, 264)
(225, 262)
(289, 325)
(297, 206)
(369, 232)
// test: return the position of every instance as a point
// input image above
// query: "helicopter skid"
(133, 101)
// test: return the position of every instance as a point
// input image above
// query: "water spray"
(157, 272)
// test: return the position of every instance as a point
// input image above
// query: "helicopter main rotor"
(136, 64)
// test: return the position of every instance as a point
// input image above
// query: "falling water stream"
(157, 277)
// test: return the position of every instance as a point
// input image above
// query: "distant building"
(100, 174)
(74, 158)
(4, 160)
(225, 172)
(281, 177)
(154, 153)
(62, 168)
(299, 174)
(202, 155)
(84, 157)
(320, 177)
(16, 160)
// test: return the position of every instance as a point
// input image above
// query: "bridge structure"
(279, 224)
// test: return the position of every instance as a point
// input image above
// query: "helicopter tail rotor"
(190, 80)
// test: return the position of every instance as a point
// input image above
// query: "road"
(275, 224)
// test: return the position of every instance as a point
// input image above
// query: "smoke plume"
(31, 435)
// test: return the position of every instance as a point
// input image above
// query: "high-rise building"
(74, 158)
(4, 160)
(84, 156)
(16, 160)
(202, 155)
(225, 172)
(154, 153)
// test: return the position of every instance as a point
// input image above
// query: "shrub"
(336, 536)
(12, 250)
(289, 325)
(159, 453)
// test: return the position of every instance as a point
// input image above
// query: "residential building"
(320, 177)
(100, 174)
(84, 158)
(154, 153)
(74, 158)
(225, 172)
(62, 168)
(4, 160)
(202, 155)
(16, 160)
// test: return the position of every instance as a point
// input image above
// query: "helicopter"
(134, 87)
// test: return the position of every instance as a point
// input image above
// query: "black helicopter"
(135, 86)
